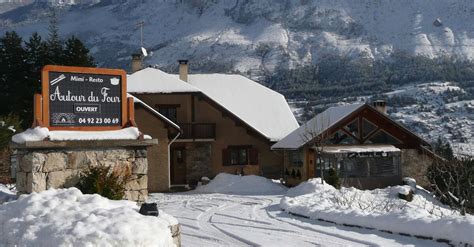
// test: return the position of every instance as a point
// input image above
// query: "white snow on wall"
(41, 133)
(66, 217)
(35, 134)
(360, 149)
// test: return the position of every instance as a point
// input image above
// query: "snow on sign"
(83, 98)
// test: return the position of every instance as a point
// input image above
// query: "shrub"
(332, 178)
(452, 182)
(104, 181)
(9, 125)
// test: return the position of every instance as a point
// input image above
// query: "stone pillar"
(44, 165)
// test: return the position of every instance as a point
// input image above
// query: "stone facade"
(198, 161)
(415, 165)
(42, 169)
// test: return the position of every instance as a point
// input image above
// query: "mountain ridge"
(253, 35)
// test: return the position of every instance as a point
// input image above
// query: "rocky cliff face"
(254, 35)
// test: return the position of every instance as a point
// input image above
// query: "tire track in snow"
(238, 220)
(204, 221)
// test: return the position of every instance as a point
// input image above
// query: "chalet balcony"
(198, 131)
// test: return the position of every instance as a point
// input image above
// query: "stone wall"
(41, 169)
(198, 161)
(415, 165)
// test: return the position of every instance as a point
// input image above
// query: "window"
(383, 167)
(353, 128)
(355, 167)
(296, 158)
(370, 166)
(239, 155)
(342, 138)
(169, 111)
(179, 156)
(382, 137)
(367, 127)
(326, 162)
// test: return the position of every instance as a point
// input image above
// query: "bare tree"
(316, 135)
(453, 182)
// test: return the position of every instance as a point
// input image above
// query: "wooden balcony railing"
(198, 130)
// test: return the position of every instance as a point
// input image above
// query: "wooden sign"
(83, 98)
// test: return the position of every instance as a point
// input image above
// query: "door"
(178, 166)
(310, 163)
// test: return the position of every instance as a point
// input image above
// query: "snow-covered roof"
(152, 80)
(263, 109)
(360, 149)
(315, 126)
(260, 107)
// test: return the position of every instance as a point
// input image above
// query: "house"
(361, 142)
(207, 124)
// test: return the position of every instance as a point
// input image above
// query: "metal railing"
(198, 130)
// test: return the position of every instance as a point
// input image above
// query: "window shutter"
(253, 156)
(226, 157)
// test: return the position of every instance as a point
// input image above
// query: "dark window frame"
(240, 155)
(296, 158)
(164, 109)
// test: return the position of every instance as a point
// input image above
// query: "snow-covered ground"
(380, 209)
(6, 194)
(216, 219)
(438, 112)
(66, 217)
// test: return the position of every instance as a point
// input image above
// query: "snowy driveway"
(236, 220)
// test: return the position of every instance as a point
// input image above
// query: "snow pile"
(380, 209)
(244, 185)
(36, 134)
(6, 194)
(40, 133)
(66, 217)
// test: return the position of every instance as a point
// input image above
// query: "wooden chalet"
(361, 142)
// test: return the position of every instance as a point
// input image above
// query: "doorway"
(178, 165)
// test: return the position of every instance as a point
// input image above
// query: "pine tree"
(36, 54)
(76, 54)
(443, 148)
(54, 43)
(12, 74)
(21, 64)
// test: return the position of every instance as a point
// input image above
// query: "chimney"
(137, 62)
(183, 69)
(380, 105)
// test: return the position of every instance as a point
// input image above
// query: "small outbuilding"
(361, 142)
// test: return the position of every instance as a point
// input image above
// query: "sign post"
(79, 98)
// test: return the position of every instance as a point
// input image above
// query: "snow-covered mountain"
(254, 35)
